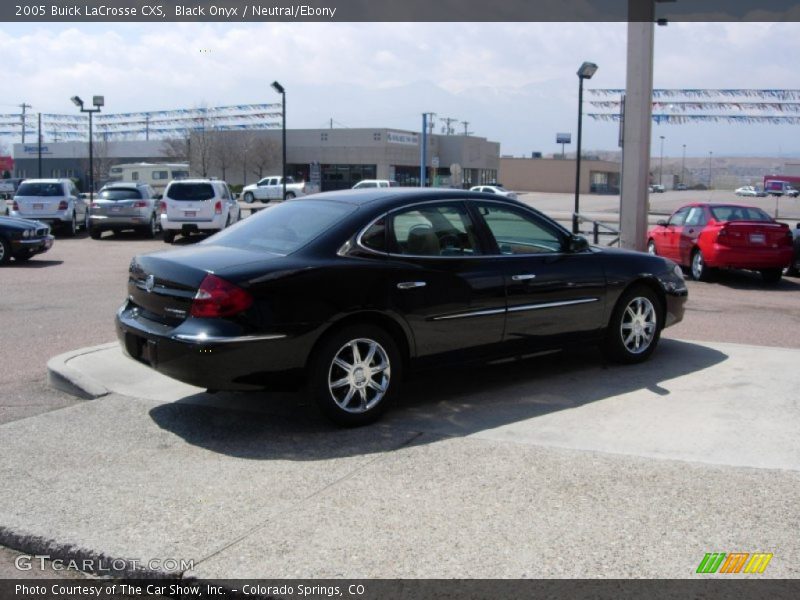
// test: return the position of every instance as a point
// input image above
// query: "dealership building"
(337, 158)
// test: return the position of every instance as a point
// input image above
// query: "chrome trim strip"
(524, 277)
(201, 338)
(467, 315)
(410, 285)
(525, 307)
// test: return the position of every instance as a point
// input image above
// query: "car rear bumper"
(108, 222)
(49, 218)
(215, 353)
(750, 258)
(215, 223)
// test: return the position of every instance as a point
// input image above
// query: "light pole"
(279, 88)
(98, 102)
(585, 71)
(683, 166)
(661, 163)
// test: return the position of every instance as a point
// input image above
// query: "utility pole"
(423, 158)
(448, 120)
(465, 124)
(23, 106)
(39, 159)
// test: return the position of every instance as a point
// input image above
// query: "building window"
(376, 136)
(160, 174)
(135, 175)
(323, 137)
(55, 173)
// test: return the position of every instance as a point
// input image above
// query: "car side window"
(679, 217)
(696, 217)
(488, 190)
(517, 232)
(433, 230)
(374, 237)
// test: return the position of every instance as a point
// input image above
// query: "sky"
(515, 83)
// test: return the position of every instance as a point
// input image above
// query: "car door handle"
(410, 285)
(523, 277)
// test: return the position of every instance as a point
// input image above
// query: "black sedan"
(344, 291)
(22, 238)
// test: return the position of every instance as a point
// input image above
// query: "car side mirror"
(661, 223)
(578, 243)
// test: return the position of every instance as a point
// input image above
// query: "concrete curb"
(63, 377)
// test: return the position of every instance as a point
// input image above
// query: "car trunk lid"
(753, 234)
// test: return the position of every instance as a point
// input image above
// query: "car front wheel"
(249, 198)
(651, 248)
(5, 251)
(355, 374)
(700, 272)
(635, 326)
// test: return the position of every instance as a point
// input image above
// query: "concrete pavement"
(561, 466)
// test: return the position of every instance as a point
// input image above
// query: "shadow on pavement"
(32, 263)
(751, 280)
(451, 402)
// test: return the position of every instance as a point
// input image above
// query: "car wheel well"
(386, 323)
(657, 289)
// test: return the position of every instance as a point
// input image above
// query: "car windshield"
(500, 188)
(739, 213)
(190, 191)
(40, 189)
(284, 228)
(119, 194)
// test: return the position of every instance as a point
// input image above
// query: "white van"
(156, 175)
(197, 205)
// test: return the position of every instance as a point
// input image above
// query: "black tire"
(771, 276)
(698, 268)
(96, 233)
(365, 402)
(86, 221)
(265, 201)
(150, 230)
(23, 256)
(169, 236)
(625, 342)
(249, 198)
(5, 251)
(289, 195)
(72, 228)
(651, 248)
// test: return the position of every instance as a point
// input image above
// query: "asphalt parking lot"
(563, 457)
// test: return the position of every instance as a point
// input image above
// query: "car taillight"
(722, 234)
(140, 204)
(163, 207)
(219, 298)
(218, 208)
(15, 206)
(62, 205)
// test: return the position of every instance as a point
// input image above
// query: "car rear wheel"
(249, 198)
(5, 251)
(151, 229)
(651, 248)
(72, 228)
(635, 326)
(771, 275)
(96, 233)
(355, 374)
(86, 221)
(169, 236)
(289, 195)
(699, 270)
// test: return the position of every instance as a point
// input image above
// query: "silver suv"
(124, 205)
(53, 201)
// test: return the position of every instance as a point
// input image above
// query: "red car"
(704, 236)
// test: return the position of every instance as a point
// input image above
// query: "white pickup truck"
(271, 188)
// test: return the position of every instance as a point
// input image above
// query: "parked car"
(21, 239)
(705, 236)
(681, 187)
(271, 188)
(197, 206)
(56, 202)
(124, 205)
(793, 270)
(375, 183)
(657, 188)
(345, 290)
(746, 190)
(494, 189)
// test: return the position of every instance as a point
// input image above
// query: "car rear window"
(119, 194)
(739, 213)
(40, 189)
(190, 191)
(284, 228)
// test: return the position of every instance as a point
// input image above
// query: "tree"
(224, 151)
(176, 149)
(264, 154)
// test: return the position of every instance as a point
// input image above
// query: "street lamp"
(586, 71)
(98, 102)
(661, 164)
(279, 88)
(683, 166)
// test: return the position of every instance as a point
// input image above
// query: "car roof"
(390, 198)
(123, 184)
(51, 180)
(716, 204)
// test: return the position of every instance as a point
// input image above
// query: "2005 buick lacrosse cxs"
(342, 292)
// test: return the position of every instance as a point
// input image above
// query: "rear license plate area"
(190, 213)
(757, 238)
(38, 206)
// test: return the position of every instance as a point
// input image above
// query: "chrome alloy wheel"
(359, 375)
(697, 265)
(639, 325)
